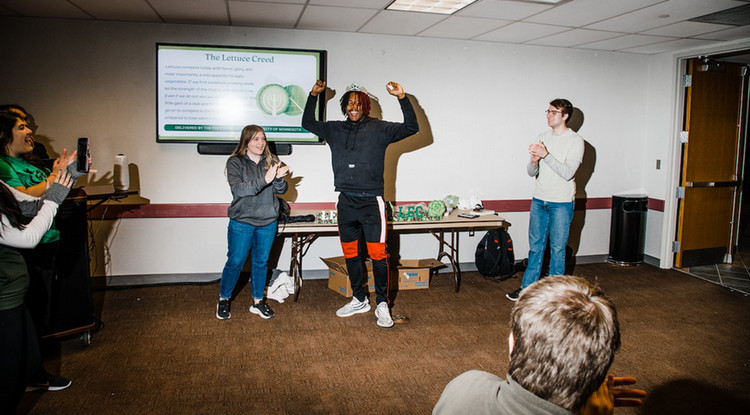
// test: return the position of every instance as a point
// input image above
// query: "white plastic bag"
(280, 287)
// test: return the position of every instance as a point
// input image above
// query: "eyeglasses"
(553, 112)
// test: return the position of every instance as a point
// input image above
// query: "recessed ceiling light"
(544, 1)
(430, 6)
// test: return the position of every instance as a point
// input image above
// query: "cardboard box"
(412, 274)
(338, 278)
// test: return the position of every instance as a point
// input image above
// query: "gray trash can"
(627, 233)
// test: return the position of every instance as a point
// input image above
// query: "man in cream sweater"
(555, 158)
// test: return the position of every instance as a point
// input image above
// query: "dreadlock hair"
(364, 100)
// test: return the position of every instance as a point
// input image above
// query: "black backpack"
(494, 256)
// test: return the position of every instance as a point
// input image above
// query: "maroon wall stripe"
(656, 204)
(219, 210)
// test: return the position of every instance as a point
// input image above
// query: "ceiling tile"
(591, 24)
(456, 27)
(401, 23)
(264, 14)
(736, 33)
(672, 45)
(61, 9)
(359, 4)
(192, 11)
(520, 32)
(662, 14)
(574, 37)
(499, 9)
(336, 19)
(132, 10)
(737, 16)
(274, 1)
(580, 13)
(624, 42)
(686, 29)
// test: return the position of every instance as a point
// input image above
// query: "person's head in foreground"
(564, 334)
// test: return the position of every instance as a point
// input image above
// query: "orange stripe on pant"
(350, 249)
(377, 250)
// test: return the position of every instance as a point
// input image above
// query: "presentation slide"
(208, 94)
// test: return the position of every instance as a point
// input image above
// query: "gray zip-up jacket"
(253, 200)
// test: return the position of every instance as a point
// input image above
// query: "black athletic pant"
(364, 215)
(19, 356)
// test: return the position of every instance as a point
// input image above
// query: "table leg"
(300, 244)
(451, 253)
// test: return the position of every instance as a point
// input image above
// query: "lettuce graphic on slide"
(297, 100)
(274, 99)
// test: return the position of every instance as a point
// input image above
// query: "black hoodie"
(358, 148)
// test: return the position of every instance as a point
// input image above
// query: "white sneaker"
(354, 307)
(384, 315)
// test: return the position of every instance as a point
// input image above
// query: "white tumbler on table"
(121, 173)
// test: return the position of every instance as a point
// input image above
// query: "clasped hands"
(538, 151)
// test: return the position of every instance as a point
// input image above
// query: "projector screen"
(207, 94)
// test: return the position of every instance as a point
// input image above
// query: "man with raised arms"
(358, 147)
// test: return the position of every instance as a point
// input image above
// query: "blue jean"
(547, 219)
(243, 238)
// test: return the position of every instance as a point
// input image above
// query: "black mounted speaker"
(225, 149)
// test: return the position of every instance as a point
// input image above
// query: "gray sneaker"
(354, 307)
(384, 315)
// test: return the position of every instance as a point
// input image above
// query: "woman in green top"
(15, 142)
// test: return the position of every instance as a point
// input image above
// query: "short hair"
(364, 100)
(566, 334)
(563, 105)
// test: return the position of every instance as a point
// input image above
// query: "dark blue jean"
(547, 219)
(243, 238)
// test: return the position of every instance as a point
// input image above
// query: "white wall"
(659, 142)
(480, 105)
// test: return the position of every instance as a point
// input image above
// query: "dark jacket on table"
(358, 148)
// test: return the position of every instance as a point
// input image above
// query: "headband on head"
(359, 88)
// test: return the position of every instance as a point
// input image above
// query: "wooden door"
(710, 169)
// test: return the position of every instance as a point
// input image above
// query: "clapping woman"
(19, 349)
(15, 142)
(255, 176)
